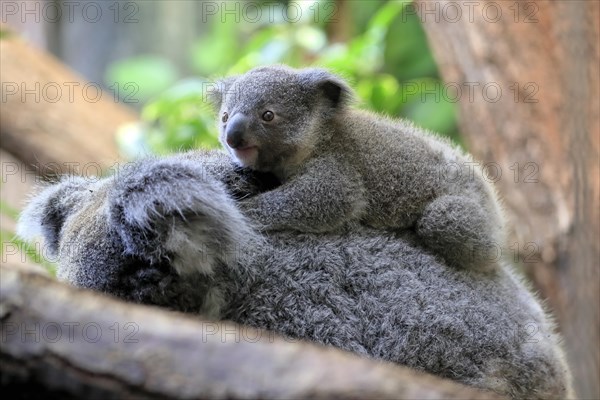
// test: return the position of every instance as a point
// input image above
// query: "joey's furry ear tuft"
(215, 92)
(330, 86)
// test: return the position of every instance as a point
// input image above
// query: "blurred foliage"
(386, 59)
(7, 238)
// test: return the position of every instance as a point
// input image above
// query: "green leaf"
(151, 74)
(428, 105)
(386, 15)
(30, 251)
(9, 210)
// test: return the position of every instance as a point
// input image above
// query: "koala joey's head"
(271, 118)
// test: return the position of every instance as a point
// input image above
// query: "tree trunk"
(539, 140)
(53, 119)
(120, 350)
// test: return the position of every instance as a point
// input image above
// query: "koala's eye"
(225, 117)
(268, 116)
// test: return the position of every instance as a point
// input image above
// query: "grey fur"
(339, 165)
(374, 292)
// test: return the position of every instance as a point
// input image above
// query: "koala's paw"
(174, 210)
(462, 232)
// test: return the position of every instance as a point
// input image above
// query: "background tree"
(543, 134)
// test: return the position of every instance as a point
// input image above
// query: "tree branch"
(80, 343)
(51, 117)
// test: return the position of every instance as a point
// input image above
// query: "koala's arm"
(239, 182)
(322, 197)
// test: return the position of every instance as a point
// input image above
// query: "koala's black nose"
(236, 130)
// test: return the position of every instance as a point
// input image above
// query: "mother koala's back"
(378, 295)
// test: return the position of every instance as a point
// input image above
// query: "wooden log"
(540, 138)
(82, 344)
(51, 117)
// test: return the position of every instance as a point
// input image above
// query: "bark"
(542, 136)
(80, 344)
(51, 117)
(339, 18)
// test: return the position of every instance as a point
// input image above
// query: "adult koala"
(167, 232)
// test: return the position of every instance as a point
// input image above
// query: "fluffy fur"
(339, 165)
(168, 232)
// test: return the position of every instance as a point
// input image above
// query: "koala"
(170, 232)
(340, 165)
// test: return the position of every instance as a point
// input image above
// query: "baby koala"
(339, 165)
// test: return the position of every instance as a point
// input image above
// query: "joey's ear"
(46, 213)
(215, 92)
(333, 88)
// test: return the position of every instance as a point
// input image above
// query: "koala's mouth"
(246, 155)
(243, 149)
(247, 150)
